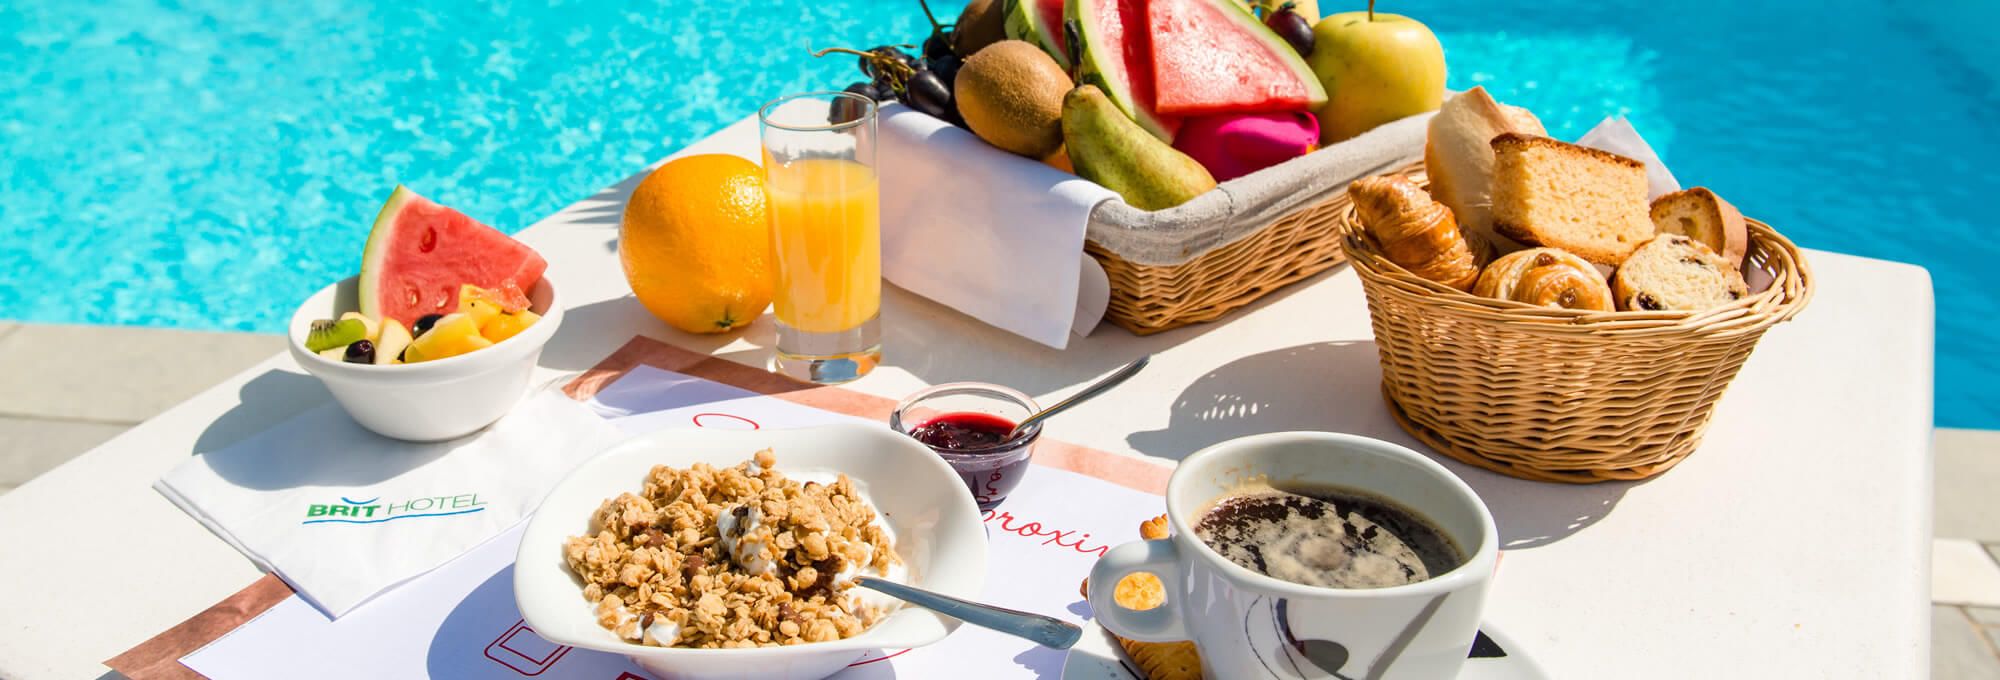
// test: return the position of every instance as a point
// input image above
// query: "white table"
(1794, 543)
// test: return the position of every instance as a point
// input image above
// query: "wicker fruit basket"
(1560, 395)
(1242, 240)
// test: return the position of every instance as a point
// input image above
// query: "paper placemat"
(159, 657)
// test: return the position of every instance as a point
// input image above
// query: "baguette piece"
(1703, 216)
(1676, 272)
(1416, 233)
(1459, 157)
(1545, 277)
(1560, 195)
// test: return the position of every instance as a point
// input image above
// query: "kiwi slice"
(327, 334)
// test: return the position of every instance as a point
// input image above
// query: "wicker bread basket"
(1560, 395)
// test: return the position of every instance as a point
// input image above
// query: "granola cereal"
(733, 557)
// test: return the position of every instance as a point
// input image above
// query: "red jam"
(991, 465)
(966, 432)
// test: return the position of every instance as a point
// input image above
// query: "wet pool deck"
(70, 388)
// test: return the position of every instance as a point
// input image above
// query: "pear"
(1108, 148)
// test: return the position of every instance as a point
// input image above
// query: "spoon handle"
(1115, 379)
(1042, 630)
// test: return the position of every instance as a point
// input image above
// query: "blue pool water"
(207, 163)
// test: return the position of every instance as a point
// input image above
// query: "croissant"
(1548, 277)
(1416, 232)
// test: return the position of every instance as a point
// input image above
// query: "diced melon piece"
(451, 336)
(483, 304)
(503, 326)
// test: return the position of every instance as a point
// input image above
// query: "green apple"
(1376, 68)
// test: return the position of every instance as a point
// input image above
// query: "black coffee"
(1327, 536)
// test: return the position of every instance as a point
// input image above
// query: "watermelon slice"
(1210, 56)
(1040, 22)
(420, 253)
(1118, 58)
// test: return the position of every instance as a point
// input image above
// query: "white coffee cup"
(1249, 625)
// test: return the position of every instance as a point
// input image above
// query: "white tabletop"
(1793, 543)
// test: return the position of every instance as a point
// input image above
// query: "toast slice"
(1676, 272)
(1560, 195)
(1703, 216)
(1459, 157)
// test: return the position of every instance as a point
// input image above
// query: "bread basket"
(1563, 395)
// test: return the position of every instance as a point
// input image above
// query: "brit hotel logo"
(374, 511)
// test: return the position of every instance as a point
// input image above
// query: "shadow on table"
(591, 332)
(1335, 387)
(265, 401)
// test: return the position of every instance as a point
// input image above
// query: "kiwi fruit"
(983, 23)
(327, 334)
(1011, 95)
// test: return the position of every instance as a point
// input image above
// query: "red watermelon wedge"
(1118, 58)
(420, 253)
(1039, 22)
(1212, 56)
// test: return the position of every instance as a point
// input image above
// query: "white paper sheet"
(460, 621)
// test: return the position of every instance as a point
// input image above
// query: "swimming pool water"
(207, 163)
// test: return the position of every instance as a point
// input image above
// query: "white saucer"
(1496, 657)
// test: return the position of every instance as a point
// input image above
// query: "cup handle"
(1159, 624)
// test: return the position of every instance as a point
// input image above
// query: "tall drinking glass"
(826, 234)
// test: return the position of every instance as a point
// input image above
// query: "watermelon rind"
(1027, 24)
(1250, 25)
(377, 248)
(1103, 65)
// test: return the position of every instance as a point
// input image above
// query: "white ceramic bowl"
(937, 527)
(431, 400)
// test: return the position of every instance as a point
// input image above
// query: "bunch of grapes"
(921, 81)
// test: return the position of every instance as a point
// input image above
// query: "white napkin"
(995, 236)
(1616, 135)
(343, 514)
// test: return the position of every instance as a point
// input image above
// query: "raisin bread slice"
(1560, 195)
(1676, 272)
(1700, 214)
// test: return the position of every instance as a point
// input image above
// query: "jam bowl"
(967, 424)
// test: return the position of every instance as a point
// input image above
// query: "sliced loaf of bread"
(1559, 195)
(1703, 216)
(1676, 272)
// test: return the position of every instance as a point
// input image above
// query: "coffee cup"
(1250, 625)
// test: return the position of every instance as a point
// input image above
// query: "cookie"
(1163, 660)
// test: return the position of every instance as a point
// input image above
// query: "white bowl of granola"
(699, 557)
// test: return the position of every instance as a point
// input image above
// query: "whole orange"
(696, 243)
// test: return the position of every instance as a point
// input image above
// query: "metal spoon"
(1042, 630)
(1119, 376)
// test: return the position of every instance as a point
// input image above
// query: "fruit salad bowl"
(433, 400)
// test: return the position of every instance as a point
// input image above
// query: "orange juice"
(826, 232)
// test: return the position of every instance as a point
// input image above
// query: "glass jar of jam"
(967, 424)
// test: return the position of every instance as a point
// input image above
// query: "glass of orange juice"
(826, 234)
